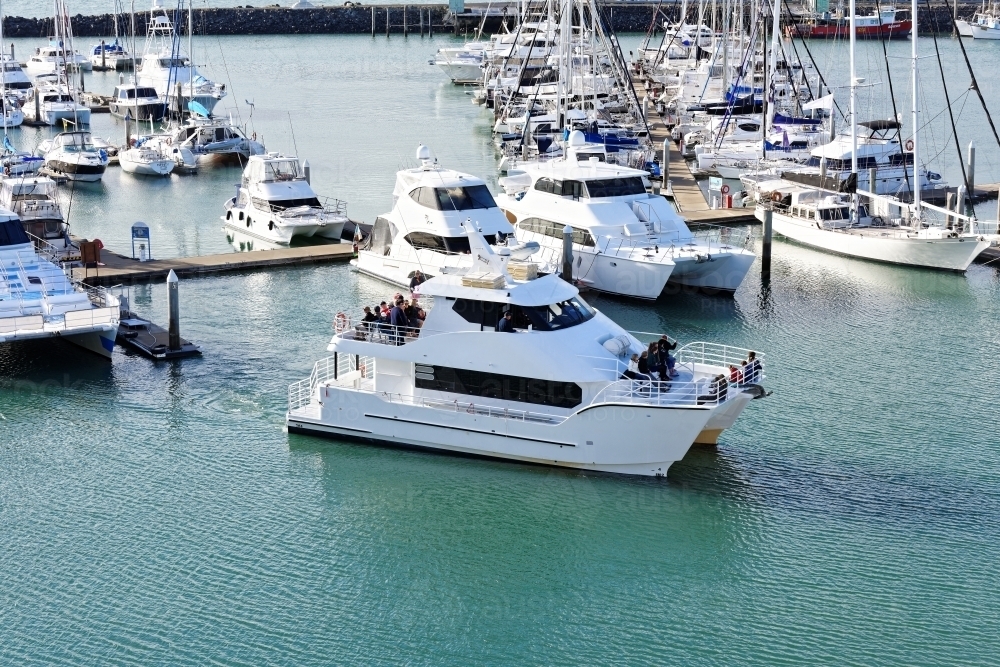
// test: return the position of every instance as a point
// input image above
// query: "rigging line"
(819, 72)
(974, 85)
(951, 117)
(892, 97)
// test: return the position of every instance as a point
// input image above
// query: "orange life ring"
(341, 323)
(775, 196)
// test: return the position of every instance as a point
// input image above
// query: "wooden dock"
(687, 196)
(116, 269)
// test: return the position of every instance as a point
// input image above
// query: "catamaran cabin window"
(454, 199)
(451, 244)
(282, 204)
(562, 315)
(616, 187)
(575, 189)
(494, 385)
(555, 230)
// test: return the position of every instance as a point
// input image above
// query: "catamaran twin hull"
(589, 439)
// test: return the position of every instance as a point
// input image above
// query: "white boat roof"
(432, 176)
(541, 291)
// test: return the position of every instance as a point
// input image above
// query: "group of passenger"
(654, 363)
(750, 371)
(403, 319)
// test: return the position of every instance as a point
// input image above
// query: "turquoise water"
(154, 513)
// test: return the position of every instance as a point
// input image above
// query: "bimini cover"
(12, 233)
(197, 108)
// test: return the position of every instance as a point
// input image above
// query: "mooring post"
(959, 206)
(406, 25)
(103, 57)
(82, 90)
(567, 267)
(665, 190)
(645, 108)
(180, 101)
(38, 112)
(373, 21)
(871, 180)
(307, 172)
(128, 130)
(430, 22)
(822, 172)
(174, 314)
(421, 14)
(387, 13)
(970, 172)
(765, 255)
(949, 221)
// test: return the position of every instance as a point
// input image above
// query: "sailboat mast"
(190, 51)
(914, 111)
(854, 114)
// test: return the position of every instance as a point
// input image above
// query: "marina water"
(159, 514)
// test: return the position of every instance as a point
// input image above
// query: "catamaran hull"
(463, 73)
(153, 168)
(588, 440)
(946, 254)
(98, 342)
(283, 234)
(56, 117)
(722, 273)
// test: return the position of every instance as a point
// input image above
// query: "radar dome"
(576, 138)
(423, 153)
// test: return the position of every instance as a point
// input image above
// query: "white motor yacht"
(50, 59)
(425, 230)
(166, 68)
(110, 56)
(215, 136)
(185, 161)
(74, 155)
(553, 389)
(145, 160)
(33, 200)
(39, 301)
(140, 103)
(15, 80)
(275, 202)
(462, 65)
(54, 104)
(625, 241)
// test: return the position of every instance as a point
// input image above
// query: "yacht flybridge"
(275, 202)
(625, 241)
(38, 300)
(553, 392)
(425, 230)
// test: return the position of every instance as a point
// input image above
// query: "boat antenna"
(292, 128)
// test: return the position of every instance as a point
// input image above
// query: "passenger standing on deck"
(417, 280)
(397, 318)
(754, 372)
(506, 324)
(665, 347)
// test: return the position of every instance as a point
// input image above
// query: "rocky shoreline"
(357, 19)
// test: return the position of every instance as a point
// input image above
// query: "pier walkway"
(688, 198)
(116, 269)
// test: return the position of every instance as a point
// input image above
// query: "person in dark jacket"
(668, 359)
(506, 323)
(399, 322)
(417, 280)
(754, 372)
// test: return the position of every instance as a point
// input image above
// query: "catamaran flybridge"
(425, 229)
(554, 391)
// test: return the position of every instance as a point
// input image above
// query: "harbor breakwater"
(353, 18)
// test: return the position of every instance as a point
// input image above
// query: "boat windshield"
(562, 315)
(281, 170)
(174, 62)
(454, 199)
(78, 141)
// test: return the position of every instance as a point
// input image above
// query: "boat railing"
(704, 392)
(704, 354)
(342, 369)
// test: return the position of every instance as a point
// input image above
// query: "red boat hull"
(894, 30)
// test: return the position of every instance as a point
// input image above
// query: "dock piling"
(307, 172)
(103, 56)
(373, 21)
(949, 221)
(174, 312)
(960, 205)
(970, 173)
(567, 267)
(421, 14)
(430, 22)
(406, 25)
(665, 189)
(871, 180)
(765, 255)
(387, 13)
